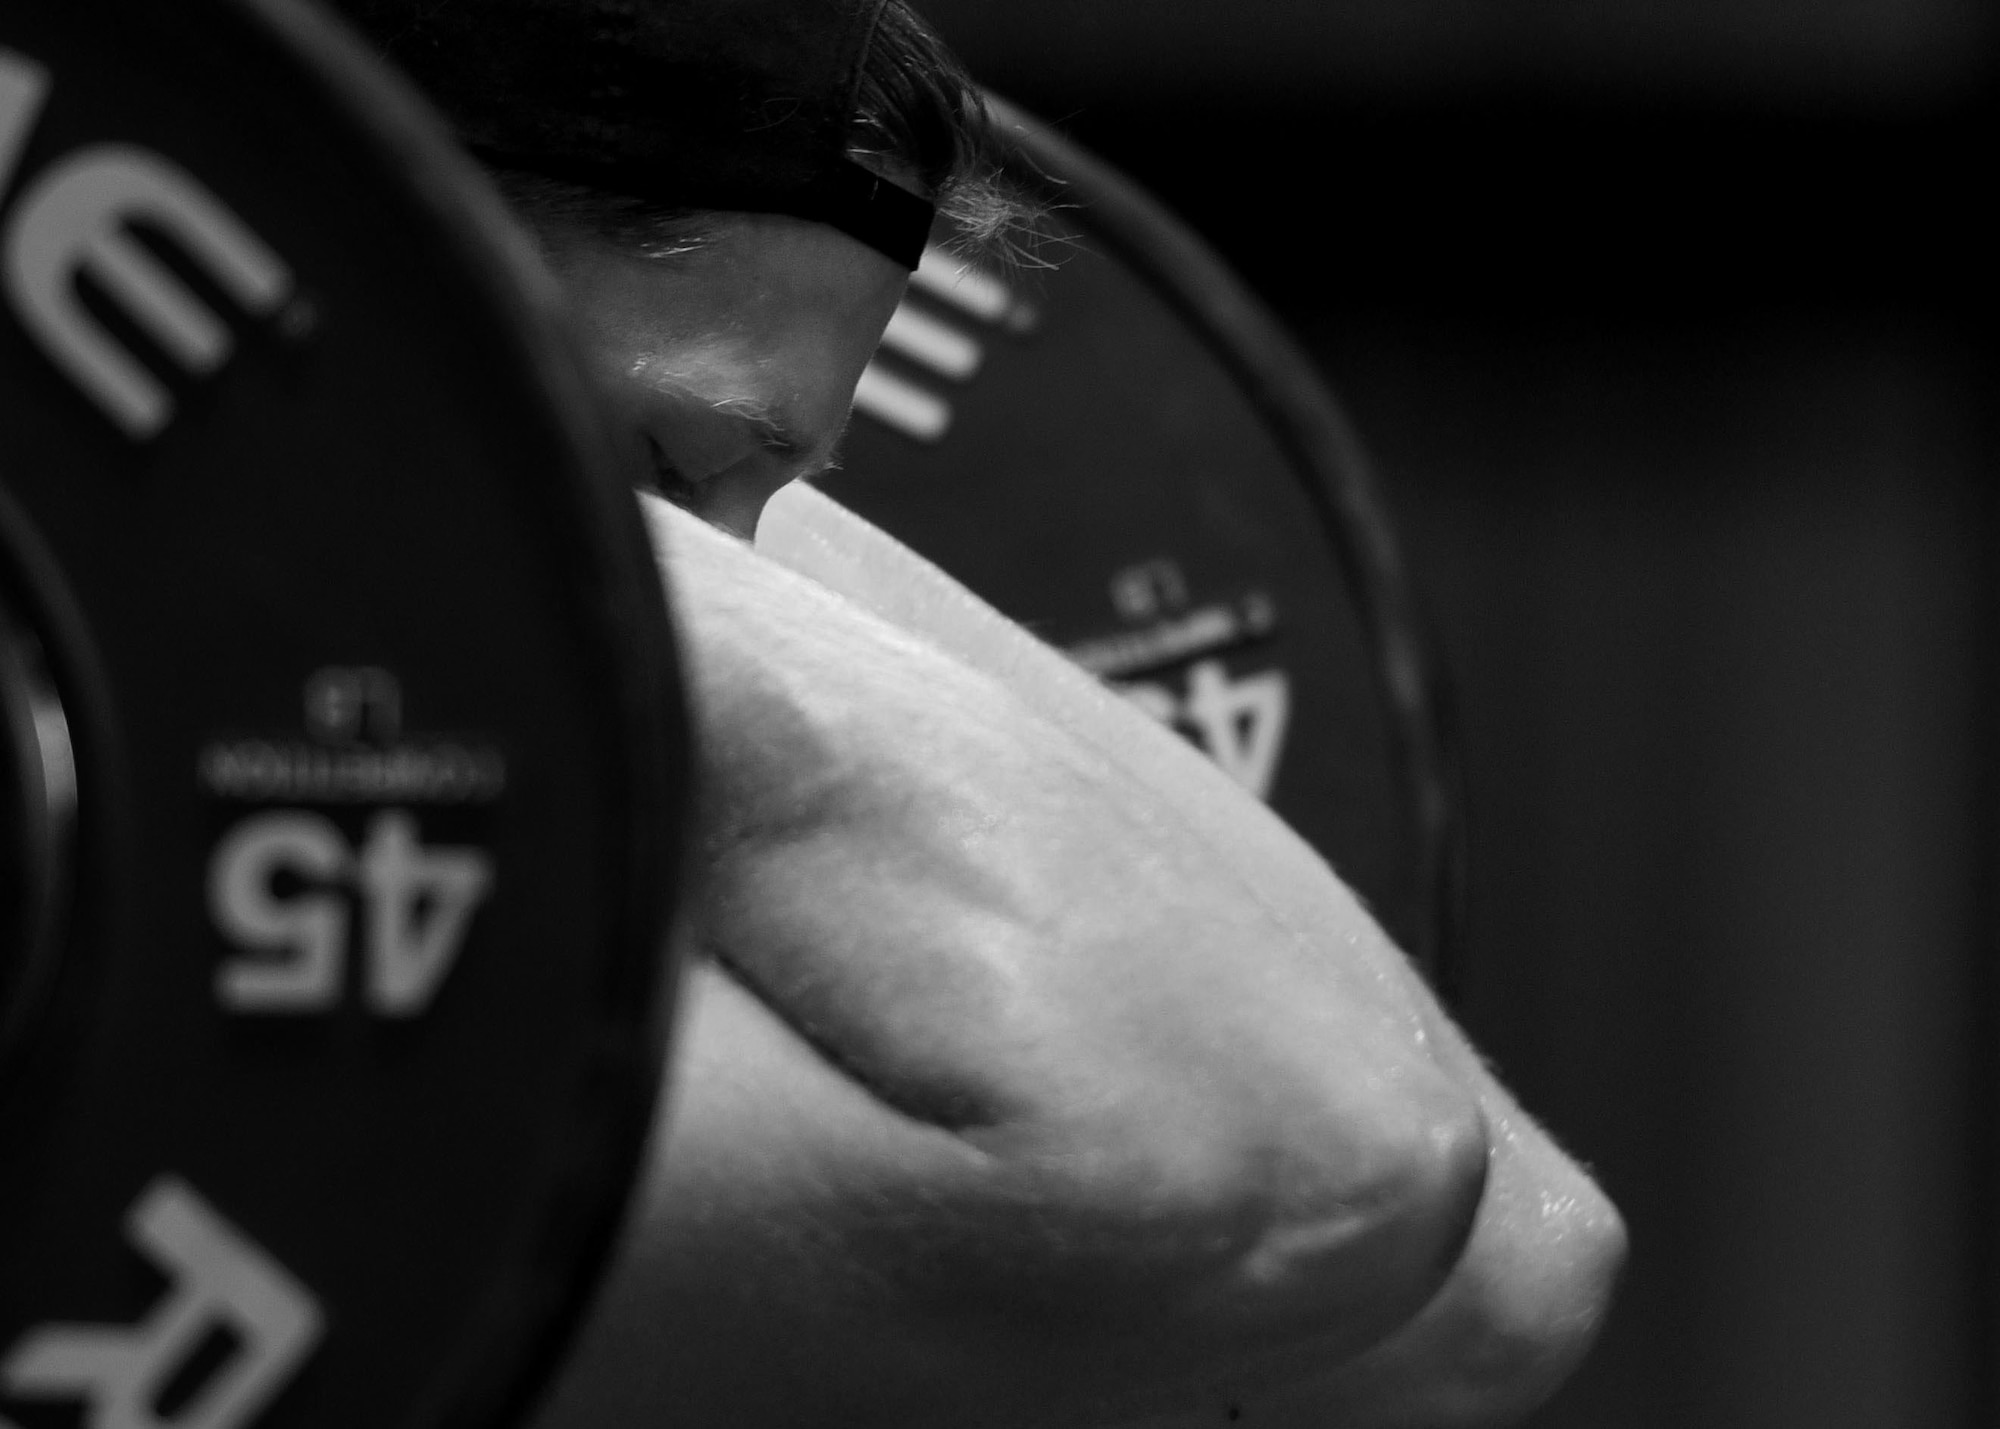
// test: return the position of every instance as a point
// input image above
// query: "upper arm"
(1527, 1297)
(1014, 1087)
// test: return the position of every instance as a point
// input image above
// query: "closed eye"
(666, 479)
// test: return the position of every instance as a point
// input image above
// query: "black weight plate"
(1126, 455)
(345, 1044)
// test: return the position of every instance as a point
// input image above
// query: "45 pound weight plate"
(1125, 454)
(340, 759)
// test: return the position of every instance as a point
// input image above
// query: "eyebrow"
(773, 435)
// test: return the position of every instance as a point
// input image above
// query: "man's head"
(732, 190)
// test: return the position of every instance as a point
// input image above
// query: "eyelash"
(666, 479)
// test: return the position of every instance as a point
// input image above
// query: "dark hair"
(916, 104)
(910, 111)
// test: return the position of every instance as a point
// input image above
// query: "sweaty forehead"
(751, 298)
(724, 271)
(736, 360)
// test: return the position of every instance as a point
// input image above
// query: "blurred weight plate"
(1126, 455)
(332, 1017)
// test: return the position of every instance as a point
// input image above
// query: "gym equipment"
(340, 763)
(1123, 452)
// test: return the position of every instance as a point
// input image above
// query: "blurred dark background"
(1668, 325)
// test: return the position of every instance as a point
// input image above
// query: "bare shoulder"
(1020, 1086)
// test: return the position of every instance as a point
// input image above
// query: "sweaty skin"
(1009, 1093)
(1527, 1297)
(1030, 1073)
(732, 364)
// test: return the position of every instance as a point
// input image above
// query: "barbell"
(342, 758)
(345, 760)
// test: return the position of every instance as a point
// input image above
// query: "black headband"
(724, 104)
